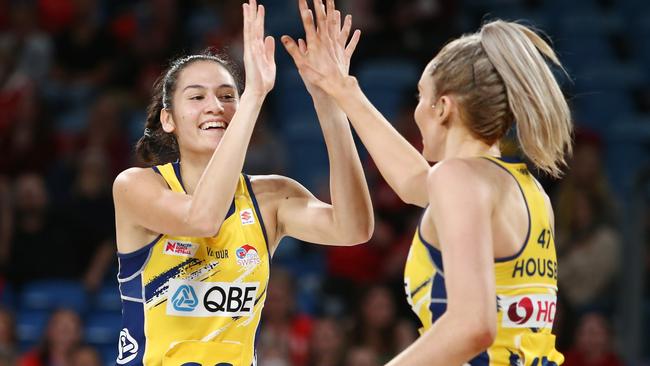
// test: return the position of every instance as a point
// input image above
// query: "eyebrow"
(197, 86)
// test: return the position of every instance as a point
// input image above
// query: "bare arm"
(349, 219)
(461, 210)
(294, 211)
(142, 199)
(403, 167)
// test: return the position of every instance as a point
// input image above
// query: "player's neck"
(463, 145)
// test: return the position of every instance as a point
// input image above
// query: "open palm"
(259, 58)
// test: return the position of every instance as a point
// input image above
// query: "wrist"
(345, 88)
(253, 96)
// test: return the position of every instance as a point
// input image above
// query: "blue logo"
(185, 299)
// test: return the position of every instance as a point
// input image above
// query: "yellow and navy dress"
(526, 286)
(196, 301)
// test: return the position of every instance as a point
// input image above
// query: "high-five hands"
(324, 59)
(259, 57)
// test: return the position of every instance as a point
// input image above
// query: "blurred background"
(76, 76)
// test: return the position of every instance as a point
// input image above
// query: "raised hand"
(324, 59)
(259, 52)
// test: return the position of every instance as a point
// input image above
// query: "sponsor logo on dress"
(184, 299)
(528, 311)
(180, 248)
(247, 217)
(210, 299)
(247, 256)
(127, 348)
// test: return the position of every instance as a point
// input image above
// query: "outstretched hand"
(323, 60)
(259, 52)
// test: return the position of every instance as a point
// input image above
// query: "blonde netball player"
(482, 272)
(195, 236)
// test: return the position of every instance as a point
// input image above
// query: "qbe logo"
(528, 311)
(208, 299)
(184, 299)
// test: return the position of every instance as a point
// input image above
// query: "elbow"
(482, 337)
(202, 228)
(360, 233)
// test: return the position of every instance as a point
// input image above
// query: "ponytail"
(543, 119)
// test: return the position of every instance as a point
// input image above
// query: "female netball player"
(481, 274)
(195, 236)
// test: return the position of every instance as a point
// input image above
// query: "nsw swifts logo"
(247, 256)
(520, 312)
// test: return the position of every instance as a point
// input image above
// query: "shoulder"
(459, 173)
(135, 177)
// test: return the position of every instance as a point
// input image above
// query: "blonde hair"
(500, 76)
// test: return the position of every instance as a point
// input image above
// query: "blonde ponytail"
(543, 119)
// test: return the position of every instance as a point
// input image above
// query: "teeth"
(206, 125)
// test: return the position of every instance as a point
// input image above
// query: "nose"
(214, 105)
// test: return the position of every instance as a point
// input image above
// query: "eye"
(197, 97)
(227, 97)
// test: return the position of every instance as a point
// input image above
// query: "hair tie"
(147, 132)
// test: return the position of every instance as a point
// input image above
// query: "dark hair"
(157, 146)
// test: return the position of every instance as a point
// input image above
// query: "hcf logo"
(185, 299)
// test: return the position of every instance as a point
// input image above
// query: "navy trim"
(177, 170)
(139, 251)
(523, 247)
(434, 253)
(259, 213)
(509, 159)
(155, 169)
(483, 359)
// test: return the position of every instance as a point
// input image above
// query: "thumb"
(292, 48)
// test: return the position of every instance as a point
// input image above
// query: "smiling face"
(203, 103)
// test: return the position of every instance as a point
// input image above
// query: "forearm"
(449, 342)
(216, 188)
(351, 204)
(403, 167)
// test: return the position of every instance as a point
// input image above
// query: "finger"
(260, 22)
(349, 50)
(337, 17)
(332, 28)
(245, 11)
(321, 17)
(345, 32)
(308, 23)
(269, 49)
(302, 46)
(292, 48)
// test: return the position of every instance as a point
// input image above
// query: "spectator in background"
(376, 322)
(362, 356)
(90, 211)
(7, 335)
(584, 174)
(284, 335)
(85, 355)
(63, 335)
(38, 237)
(590, 256)
(327, 346)
(593, 344)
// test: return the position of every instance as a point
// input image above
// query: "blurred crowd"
(75, 78)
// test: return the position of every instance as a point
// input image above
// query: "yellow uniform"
(526, 286)
(196, 301)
